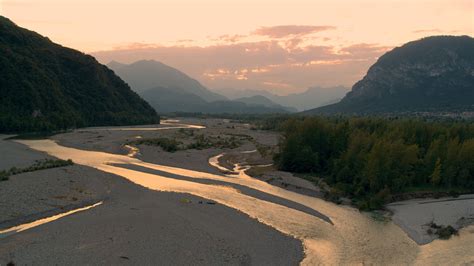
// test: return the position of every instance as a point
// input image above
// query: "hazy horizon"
(280, 46)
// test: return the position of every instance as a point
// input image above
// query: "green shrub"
(446, 232)
(443, 232)
(169, 145)
(202, 142)
(38, 165)
(3, 176)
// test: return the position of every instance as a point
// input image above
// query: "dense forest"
(45, 86)
(372, 159)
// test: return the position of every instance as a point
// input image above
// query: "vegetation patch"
(38, 165)
(380, 216)
(39, 135)
(205, 142)
(443, 232)
(240, 136)
(169, 145)
(186, 132)
(265, 151)
(200, 142)
(374, 160)
(259, 171)
(333, 195)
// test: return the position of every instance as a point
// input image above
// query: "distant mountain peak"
(115, 65)
(146, 74)
(151, 62)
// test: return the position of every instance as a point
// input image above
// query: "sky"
(282, 46)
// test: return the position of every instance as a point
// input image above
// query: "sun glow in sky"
(279, 45)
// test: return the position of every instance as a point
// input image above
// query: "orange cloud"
(364, 50)
(276, 84)
(290, 30)
(136, 46)
(427, 31)
(261, 64)
(293, 43)
(431, 31)
(231, 38)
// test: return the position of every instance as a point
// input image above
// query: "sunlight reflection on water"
(26, 226)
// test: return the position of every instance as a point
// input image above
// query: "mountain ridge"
(146, 74)
(173, 91)
(432, 74)
(170, 100)
(312, 97)
(264, 101)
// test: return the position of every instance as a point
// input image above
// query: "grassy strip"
(203, 142)
(258, 172)
(38, 135)
(169, 145)
(38, 165)
(187, 132)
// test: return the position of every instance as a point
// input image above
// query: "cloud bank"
(282, 59)
(290, 30)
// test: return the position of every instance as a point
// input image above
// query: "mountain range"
(262, 100)
(311, 98)
(169, 90)
(45, 86)
(434, 74)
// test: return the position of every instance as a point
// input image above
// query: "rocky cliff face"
(431, 74)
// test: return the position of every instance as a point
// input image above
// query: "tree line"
(372, 159)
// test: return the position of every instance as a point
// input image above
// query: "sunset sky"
(279, 45)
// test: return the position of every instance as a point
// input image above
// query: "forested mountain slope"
(45, 86)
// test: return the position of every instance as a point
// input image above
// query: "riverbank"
(418, 216)
(28, 196)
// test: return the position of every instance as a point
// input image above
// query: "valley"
(196, 195)
(156, 133)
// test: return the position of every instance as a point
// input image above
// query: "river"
(352, 238)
